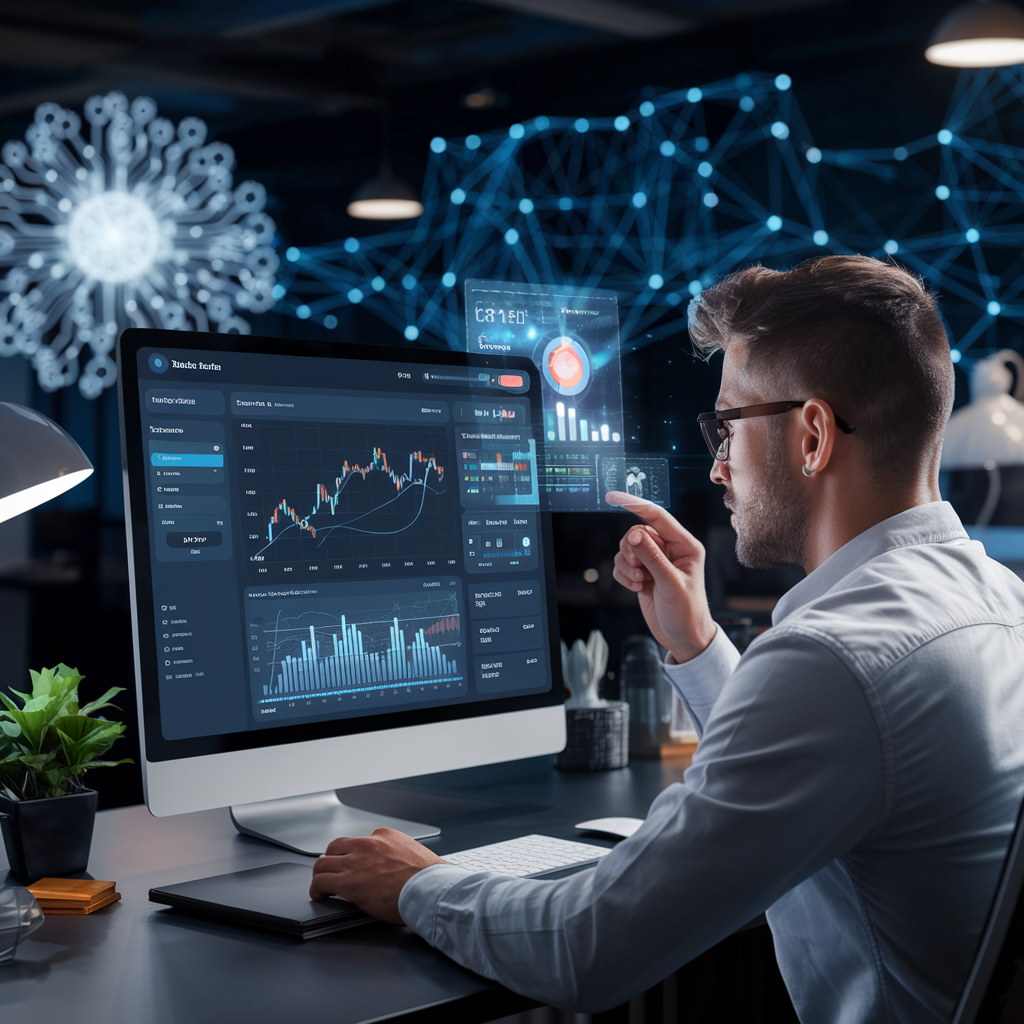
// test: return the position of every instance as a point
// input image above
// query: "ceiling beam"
(612, 16)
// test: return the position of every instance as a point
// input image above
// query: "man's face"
(770, 510)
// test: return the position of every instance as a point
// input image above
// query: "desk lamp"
(989, 432)
(38, 460)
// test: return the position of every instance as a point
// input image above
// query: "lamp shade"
(38, 460)
(385, 198)
(990, 429)
(978, 35)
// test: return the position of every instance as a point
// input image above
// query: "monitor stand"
(307, 824)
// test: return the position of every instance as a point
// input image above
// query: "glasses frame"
(717, 434)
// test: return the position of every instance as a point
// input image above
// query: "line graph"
(342, 491)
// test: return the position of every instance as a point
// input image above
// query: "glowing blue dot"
(581, 124)
(291, 254)
(351, 245)
(820, 237)
(945, 137)
(704, 169)
(667, 148)
(355, 295)
(972, 235)
(408, 282)
(701, 144)
(710, 200)
(813, 155)
(472, 142)
(941, 191)
(694, 95)
(516, 131)
(955, 355)
(526, 206)
(437, 144)
(448, 279)
(746, 104)
(458, 196)
(694, 287)
(783, 82)
(278, 291)
(511, 236)
(330, 321)
(302, 312)
(673, 298)
(891, 247)
(780, 130)
(774, 223)
(742, 80)
(655, 281)
(565, 203)
(994, 308)
(900, 153)
(412, 332)
(621, 123)
(377, 284)
(541, 123)
(646, 108)
(639, 199)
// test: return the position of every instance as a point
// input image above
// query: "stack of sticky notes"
(72, 895)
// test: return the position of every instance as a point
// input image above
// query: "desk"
(136, 963)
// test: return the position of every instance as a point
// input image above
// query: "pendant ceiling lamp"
(978, 34)
(385, 197)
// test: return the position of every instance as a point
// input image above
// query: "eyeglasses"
(717, 433)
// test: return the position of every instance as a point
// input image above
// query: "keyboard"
(527, 856)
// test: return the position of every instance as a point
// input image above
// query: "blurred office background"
(311, 94)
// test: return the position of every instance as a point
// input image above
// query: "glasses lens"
(716, 434)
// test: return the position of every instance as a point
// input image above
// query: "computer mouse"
(617, 828)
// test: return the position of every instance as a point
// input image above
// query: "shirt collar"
(933, 523)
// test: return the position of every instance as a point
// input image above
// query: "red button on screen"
(510, 380)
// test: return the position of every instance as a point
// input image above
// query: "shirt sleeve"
(770, 798)
(699, 681)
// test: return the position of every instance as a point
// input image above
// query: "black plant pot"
(48, 838)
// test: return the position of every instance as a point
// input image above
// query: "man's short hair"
(862, 334)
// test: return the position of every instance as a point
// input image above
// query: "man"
(861, 766)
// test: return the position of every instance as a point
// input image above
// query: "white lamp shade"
(38, 460)
(385, 198)
(978, 35)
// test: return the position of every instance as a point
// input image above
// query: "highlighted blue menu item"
(185, 459)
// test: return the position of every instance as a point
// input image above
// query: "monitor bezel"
(156, 747)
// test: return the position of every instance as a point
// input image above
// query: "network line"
(378, 463)
(660, 201)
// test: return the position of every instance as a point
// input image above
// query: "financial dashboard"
(325, 534)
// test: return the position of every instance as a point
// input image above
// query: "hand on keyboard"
(527, 856)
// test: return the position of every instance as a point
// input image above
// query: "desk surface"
(136, 963)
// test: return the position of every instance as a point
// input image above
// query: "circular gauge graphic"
(566, 365)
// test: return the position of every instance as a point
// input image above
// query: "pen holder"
(597, 738)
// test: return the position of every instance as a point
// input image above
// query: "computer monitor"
(340, 574)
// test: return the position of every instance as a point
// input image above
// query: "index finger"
(666, 524)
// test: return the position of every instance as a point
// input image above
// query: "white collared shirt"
(858, 778)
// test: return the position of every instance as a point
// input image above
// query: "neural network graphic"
(661, 200)
(139, 224)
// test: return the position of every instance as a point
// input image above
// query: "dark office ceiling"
(298, 87)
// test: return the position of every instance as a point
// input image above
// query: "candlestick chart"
(333, 491)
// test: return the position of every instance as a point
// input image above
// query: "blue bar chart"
(348, 663)
(360, 645)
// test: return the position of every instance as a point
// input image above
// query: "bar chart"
(377, 642)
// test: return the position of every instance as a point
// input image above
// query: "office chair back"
(994, 993)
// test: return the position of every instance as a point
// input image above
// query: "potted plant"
(46, 745)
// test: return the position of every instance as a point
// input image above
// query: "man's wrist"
(682, 653)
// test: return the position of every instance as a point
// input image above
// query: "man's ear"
(817, 435)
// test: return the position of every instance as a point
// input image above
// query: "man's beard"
(772, 521)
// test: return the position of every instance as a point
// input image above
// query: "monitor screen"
(329, 539)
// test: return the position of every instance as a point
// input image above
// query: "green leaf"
(10, 728)
(102, 702)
